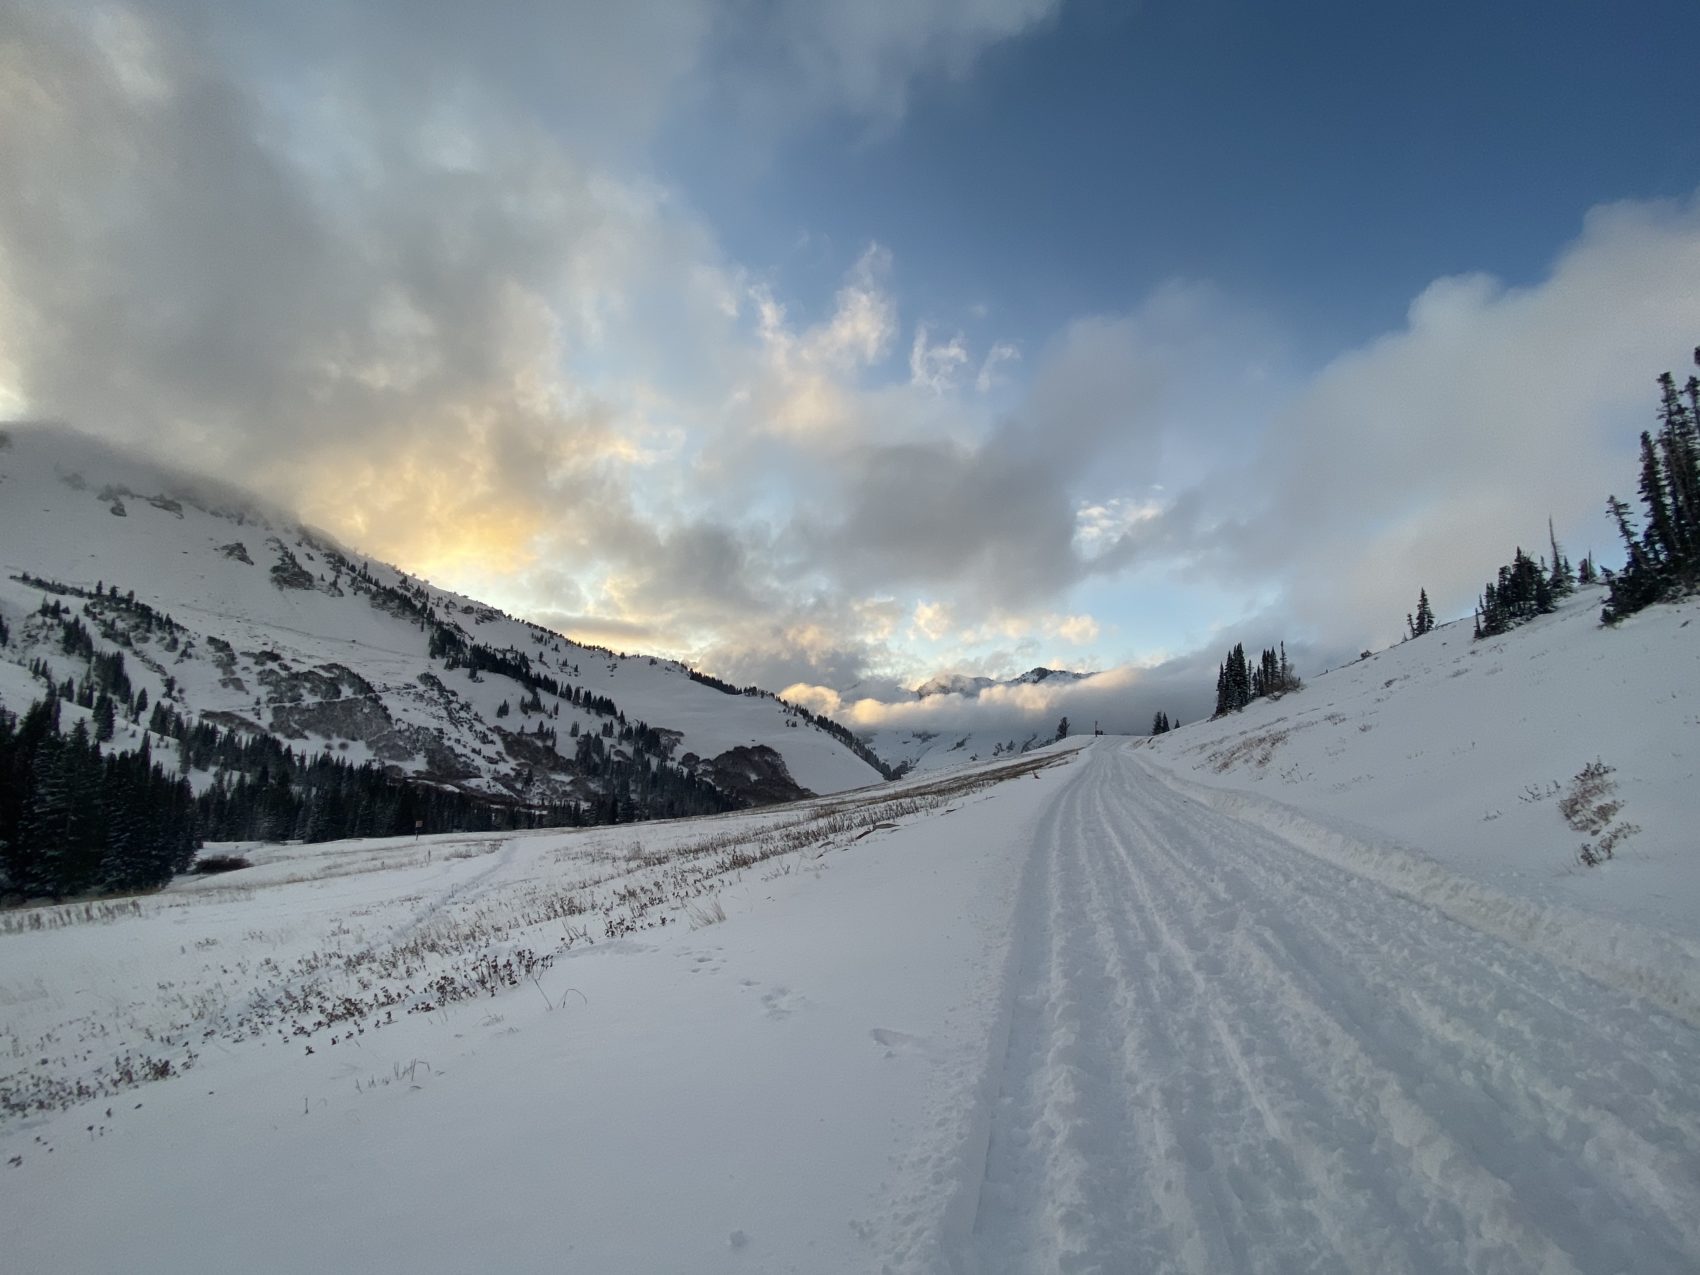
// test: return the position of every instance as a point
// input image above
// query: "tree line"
(1663, 558)
(1661, 555)
(77, 819)
(1239, 682)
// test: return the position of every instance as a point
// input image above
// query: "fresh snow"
(1316, 987)
(1453, 748)
(935, 751)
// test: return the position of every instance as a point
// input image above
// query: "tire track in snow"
(1226, 1055)
(1350, 1217)
(1321, 1055)
(1065, 1155)
(1547, 1066)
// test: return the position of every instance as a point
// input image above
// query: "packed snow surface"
(1274, 993)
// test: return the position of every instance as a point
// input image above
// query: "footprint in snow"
(896, 1042)
(781, 1002)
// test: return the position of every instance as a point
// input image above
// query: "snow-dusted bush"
(1589, 807)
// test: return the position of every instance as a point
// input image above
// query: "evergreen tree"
(1241, 678)
(105, 717)
(1236, 683)
(1563, 579)
(1664, 558)
(1679, 447)
(1660, 539)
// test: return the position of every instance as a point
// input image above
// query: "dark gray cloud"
(994, 522)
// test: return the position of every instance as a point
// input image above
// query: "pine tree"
(105, 717)
(1659, 539)
(1235, 681)
(1423, 621)
(1679, 448)
(1563, 578)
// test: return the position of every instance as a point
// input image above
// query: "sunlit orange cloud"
(421, 518)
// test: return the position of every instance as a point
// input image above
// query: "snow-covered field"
(1276, 993)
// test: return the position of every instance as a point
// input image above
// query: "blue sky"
(836, 345)
(1324, 160)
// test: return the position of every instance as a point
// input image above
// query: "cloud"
(1420, 458)
(932, 620)
(988, 378)
(1081, 630)
(781, 62)
(987, 516)
(804, 382)
(357, 318)
(1424, 457)
(1121, 700)
(935, 366)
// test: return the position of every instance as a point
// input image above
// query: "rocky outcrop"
(755, 773)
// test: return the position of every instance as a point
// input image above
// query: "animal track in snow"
(781, 1002)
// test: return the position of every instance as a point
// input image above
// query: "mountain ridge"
(227, 608)
(972, 687)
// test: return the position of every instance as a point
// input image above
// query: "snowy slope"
(1463, 750)
(74, 512)
(1049, 1014)
(929, 752)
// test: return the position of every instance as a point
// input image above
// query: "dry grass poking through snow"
(1590, 807)
(317, 979)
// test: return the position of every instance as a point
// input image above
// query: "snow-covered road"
(1228, 1055)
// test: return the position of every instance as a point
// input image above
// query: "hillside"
(1462, 751)
(229, 612)
(932, 751)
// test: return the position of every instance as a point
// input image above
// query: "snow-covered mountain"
(230, 611)
(943, 748)
(972, 687)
